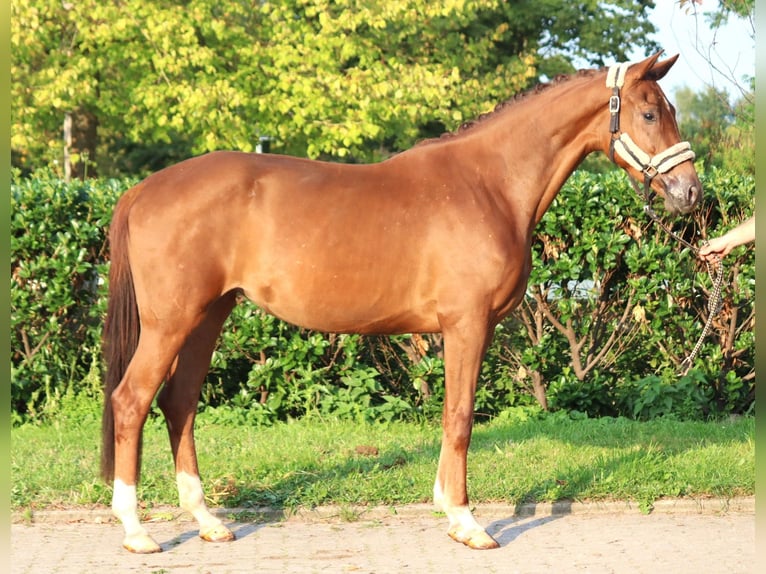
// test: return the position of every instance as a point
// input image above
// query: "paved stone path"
(675, 538)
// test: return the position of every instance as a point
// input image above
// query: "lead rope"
(715, 301)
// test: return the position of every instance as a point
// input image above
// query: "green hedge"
(613, 307)
(634, 303)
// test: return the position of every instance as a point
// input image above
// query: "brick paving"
(594, 539)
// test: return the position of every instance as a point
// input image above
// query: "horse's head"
(644, 134)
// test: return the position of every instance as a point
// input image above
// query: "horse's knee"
(457, 433)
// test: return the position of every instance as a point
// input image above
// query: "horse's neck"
(542, 140)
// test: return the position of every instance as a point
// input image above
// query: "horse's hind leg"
(131, 401)
(178, 402)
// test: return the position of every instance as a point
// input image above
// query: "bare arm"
(722, 246)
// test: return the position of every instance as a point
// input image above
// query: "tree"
(721, 135)
(738, 149)
(727, 9)
(725, 130)
(703, 118)
(152, 82)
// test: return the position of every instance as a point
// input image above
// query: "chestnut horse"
(434, 239)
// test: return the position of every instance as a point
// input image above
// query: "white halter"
(626, 148)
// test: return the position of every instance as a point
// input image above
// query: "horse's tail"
(122, 326)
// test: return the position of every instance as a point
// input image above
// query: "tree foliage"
(721, 135)
(149, 83)
(726, 8)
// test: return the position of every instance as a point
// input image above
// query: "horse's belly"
(339, 311)
(363, 299)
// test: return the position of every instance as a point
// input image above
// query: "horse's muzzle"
(682, 193)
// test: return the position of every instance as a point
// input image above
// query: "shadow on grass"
(641, 470)
(316, 484)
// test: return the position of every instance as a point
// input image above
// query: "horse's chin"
(671, 208)
(674, 207)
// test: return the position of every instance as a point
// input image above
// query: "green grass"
(514, 459)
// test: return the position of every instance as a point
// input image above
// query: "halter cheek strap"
(615, 79)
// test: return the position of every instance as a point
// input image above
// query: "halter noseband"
(623, 146)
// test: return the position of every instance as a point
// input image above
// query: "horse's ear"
(654, 70)
(659, 69)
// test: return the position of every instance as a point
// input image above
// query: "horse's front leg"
(464, 347)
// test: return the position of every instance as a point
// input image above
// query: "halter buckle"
(650, 172)
(614, 104)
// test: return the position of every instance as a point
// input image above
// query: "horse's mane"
(538, 89)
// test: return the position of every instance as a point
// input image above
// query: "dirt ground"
(695, 537)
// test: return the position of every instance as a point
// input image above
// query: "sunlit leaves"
(343, 79)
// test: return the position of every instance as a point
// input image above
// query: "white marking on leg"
(125, 508)
(192, 499)
(439, 496)
(462, 525)
(460, 517)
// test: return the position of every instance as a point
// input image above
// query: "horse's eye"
(649, 116)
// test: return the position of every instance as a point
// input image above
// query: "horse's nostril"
(693, 194)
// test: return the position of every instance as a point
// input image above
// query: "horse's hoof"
(217, 534)
(141, 544)
(475, 539)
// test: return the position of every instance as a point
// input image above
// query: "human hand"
(716, 247)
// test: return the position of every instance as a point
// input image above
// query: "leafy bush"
(612, 297)
(58, 269)
(613, 307)
(667, 395)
